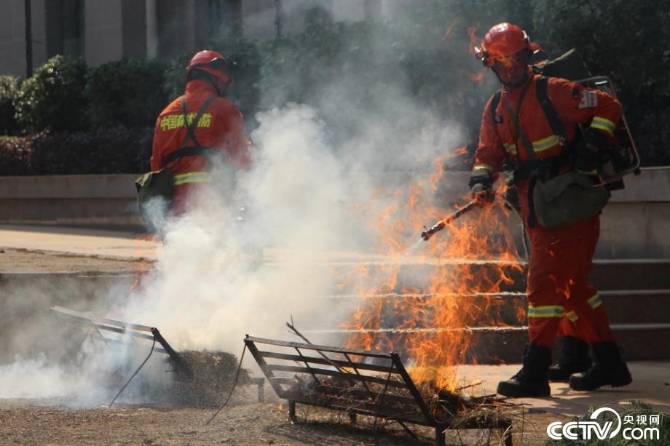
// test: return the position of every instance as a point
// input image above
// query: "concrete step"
(499, 309)
(631, 274)
(477, 276)
(499, 345)
(637, 306)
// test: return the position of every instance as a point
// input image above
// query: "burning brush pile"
(205, 379)
(392, 398)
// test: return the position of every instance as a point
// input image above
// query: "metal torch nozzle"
(428, 233)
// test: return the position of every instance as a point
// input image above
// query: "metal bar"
(181, 366)
(332, 373)
(318, 347)
(364, 409)
(267, 371)
(412, 388)
(122, 342)
(122, 331)
(342, 364)
(357, 372)
(101, 320)
(311, 372)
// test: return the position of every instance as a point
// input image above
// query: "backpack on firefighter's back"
(567, 198)
(621, 157)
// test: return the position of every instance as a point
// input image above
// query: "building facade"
(100, 31)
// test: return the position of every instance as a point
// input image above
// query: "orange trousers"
(561, 300)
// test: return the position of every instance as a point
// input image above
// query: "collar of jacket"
(200, 86)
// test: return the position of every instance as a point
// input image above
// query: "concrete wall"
(635, 224)
(88, 200)
(13, 36)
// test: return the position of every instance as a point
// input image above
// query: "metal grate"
(355, 381)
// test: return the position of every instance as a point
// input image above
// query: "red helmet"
(213, 63)
(503, 40)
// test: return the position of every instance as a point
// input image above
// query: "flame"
(450, 29)
(474, 40)
(425, 305)
(477, 78)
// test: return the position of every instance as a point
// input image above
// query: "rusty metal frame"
(355, 381)
(181, 368)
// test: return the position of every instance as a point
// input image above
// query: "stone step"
(631, 274)
(498, 345)
(498, 309)
(477, 276)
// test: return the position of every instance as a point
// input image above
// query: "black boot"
(609, 369)
(532, 378)
(575, 359)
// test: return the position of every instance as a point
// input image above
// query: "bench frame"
(377, 384)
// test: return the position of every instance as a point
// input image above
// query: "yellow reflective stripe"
(483, 166)
(545, 311)
(603, 124)
(192, 177)
(595, 301)
(571, 315)
(510, 148)
(546, 143)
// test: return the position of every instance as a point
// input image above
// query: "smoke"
(311, 203)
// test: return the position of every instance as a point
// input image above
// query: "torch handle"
(427, 234)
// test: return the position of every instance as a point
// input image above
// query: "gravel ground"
(245, 421)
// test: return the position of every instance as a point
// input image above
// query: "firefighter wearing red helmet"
(200, 121)
(515, 131)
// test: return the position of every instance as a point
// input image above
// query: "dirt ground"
(245, 421)
(25, 261)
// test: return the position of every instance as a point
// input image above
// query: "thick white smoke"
(222, 273)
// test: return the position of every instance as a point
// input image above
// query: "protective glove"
(480, 184)
(588, 149)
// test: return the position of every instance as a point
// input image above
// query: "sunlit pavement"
(88, 242)
(651, 383)
(651, 380)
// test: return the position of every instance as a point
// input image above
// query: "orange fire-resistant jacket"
(499, 139)
(220, 128)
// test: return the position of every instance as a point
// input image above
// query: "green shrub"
(52, 98)
(126, 92)
(9, 87)
(15, 155)
(103, 151)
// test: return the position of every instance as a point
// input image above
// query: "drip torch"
(428, 233)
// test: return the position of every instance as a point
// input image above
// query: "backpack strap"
(182, 152)
(197, 149)
(190, 126)
(495, 100)
(550, 112)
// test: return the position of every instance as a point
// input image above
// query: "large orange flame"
(424, 305)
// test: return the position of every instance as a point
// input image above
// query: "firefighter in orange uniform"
(518, 132)
(203, 122)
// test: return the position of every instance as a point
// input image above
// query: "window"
(65, 27)
(72, 20)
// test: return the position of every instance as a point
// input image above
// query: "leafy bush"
(126, 92)
(103, 151)
(9, 87)
(52, 98)
(15, 155)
